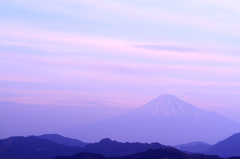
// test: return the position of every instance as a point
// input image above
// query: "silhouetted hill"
(195, 147)
(226, 148)
(33, 148)
(62, 140)
(83, 155)
(110, 148)
(165, 153)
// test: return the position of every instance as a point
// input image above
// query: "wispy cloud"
(190, 14)
(166, 48)
(54, 42)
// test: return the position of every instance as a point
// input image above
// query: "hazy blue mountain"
(83, 155)
(62, 140)
(166, 153)
(33, 148)
(166, 119)
(226, 148)
(195, 147)
(110, 148)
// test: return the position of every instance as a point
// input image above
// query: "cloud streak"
(54, 42)
(166, 48)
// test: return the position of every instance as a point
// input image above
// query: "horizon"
(160, 98)
(68, 63)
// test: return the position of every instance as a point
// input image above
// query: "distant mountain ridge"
(227, 147)
(166, 119)
(110, 148)
(194, 147)
(62, 140)
(33, 148)
(165, 153)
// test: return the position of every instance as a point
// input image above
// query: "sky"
(70, 62)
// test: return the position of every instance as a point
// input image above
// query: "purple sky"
(90, 60)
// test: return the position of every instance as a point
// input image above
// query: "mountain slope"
(194, 147)
(166, 153)
(83, 155)
(62, 140)
(166, 119)
(226, 148)
(33, 147)
(111, 148)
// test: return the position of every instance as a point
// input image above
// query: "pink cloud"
(59, 43)
(87, 67)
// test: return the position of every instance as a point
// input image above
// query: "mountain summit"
(166, 106)
(165, 119)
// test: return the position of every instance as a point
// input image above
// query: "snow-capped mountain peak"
(168, 105)
(165, 119)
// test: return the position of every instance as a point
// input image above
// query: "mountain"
(166, 119)
(166, 153)
(33, 147)
(110, 148)
(83, 155)
(62, 140)
(194, 147)
(226, 148)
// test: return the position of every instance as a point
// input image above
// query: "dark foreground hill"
(33, 148)
(226, 148)
(194, 147)
(62, 140)
(166, 153)
(110, 148)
